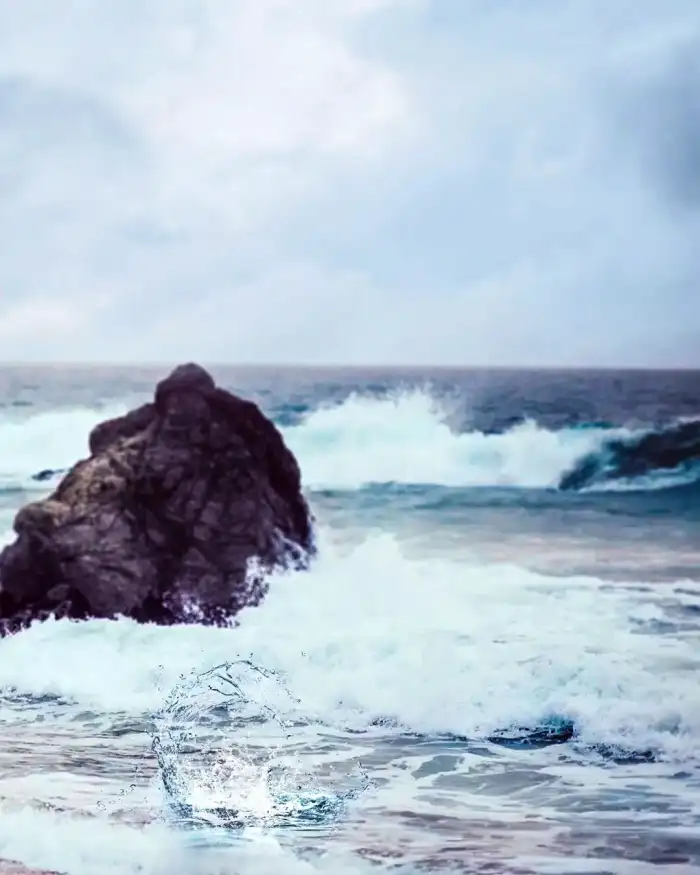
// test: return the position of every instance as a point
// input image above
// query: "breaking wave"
(407, 438)
(54, 439)
(371, 640)
(655, 459)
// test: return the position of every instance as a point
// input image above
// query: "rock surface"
(160, 522)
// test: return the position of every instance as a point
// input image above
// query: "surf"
(406, 437)
(430, 645)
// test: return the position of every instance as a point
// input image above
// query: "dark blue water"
(488, 399)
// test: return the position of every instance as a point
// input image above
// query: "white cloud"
(223, 100)
(357, 180)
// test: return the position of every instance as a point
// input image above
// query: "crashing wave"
(658, 458)
(408, 438)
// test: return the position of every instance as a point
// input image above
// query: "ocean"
(491, 667)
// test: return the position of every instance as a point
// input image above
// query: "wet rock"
(163, 520)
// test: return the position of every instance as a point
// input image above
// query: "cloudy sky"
(344, 181)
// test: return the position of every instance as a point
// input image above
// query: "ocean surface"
(492, 667)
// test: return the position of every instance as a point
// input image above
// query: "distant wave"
(406, 438)
(53, 439)
(655, 459)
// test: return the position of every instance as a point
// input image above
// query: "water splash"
(231, 754)
(406, 437)
(661, 458)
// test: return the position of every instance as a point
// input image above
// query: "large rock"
(161, 522)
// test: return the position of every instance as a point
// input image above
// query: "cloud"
(658, 109)
(357, 181)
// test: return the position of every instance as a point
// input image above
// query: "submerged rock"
(162, 521)
(47, 474)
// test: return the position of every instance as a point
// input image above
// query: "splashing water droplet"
(231, 748)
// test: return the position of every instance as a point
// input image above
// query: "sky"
(444, 182)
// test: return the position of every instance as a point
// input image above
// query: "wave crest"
(653, 459)
(434, 645)
(407, 438)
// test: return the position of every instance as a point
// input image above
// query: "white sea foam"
(55, 439)
(88, 846)
(436, 644)
(405, 438)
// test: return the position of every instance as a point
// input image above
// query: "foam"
(405, 438)
(88, 845)
(55, 439)
(400, 438)
(435, 644)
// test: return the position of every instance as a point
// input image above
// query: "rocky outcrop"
(163, 520)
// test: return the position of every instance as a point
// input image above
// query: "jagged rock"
(161, 521)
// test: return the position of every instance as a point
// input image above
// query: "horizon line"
(374, 366)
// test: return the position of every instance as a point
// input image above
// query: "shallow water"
(458, 596)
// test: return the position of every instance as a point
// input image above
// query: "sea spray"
(230, 752)
(438, 644)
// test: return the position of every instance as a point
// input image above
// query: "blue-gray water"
(508, 559)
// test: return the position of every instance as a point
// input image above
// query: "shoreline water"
(445, 604)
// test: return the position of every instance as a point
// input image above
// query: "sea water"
(482, 671)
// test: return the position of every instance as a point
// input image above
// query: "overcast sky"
(489, 182)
